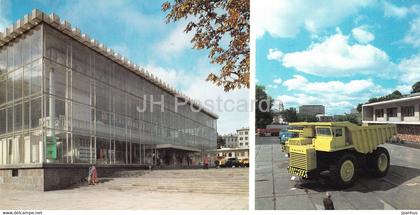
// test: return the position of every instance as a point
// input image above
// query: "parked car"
(232, 162)
(285, 135)
(221, 162)
(244, 162)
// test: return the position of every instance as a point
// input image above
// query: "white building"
(403, 112)
(237, 145)
(243, 137)
(231, 140)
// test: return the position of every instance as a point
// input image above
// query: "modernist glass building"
(65, 99)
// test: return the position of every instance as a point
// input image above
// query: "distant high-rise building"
(312, 110)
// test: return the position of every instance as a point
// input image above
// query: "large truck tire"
(343, 170)
(378, 162)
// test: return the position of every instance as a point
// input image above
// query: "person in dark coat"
(328, 203)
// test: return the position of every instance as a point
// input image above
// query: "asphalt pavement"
(275, 189)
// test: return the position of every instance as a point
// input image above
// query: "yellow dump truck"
(340, 148)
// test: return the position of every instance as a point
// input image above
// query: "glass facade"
(63, 102)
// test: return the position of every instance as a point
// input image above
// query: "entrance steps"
(212, 181)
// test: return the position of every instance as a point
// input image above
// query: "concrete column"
(27, 149)
(373, 114)
(52, 99)
(399, 115)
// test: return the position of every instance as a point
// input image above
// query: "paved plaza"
(213, 189)
(400, 189)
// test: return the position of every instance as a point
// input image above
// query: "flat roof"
(37, 17)
(242, 129)
(393, 101)
(312, 106)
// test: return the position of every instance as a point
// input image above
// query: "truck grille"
(298, 160)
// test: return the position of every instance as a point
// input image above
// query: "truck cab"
(330, 139)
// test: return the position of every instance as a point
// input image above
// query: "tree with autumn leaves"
(216, 21)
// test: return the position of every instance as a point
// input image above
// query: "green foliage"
(394, 95)
(307, 118)
(416, 87)
(359, 107)
(212, 22)
(289, 115)
(220, 141)
(353, 118)
(263, 104)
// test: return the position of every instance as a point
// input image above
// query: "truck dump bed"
(365, 139)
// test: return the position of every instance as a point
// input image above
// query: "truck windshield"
(323, 131)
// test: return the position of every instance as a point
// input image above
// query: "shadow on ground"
(396, 176)
(85, 183)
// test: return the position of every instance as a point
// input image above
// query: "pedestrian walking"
(93, 177)
(206, 163)
(328, 203)
(158, 162)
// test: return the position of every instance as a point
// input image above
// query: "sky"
(137, 30)
(336, 53)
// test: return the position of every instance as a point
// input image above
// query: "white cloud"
(413, 35)
(272, 86)
(286, 18)
(410, 69)
(176, 78)
(274, 54)
(122, 14)
(277, 81)
(175, 43)
(337, 96)
(336, 57)
(195, 86)
(122, 49)
(391, 10)
(362, 35)
(404, 89)
(300, 83)
(230, 116)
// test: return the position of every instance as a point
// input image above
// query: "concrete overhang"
(231, 149)
(171, 146)
(390, 122)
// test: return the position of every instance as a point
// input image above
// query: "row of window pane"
(20, 83)
(73, 55)
(21, 51)
(20, 116)
(406, 111)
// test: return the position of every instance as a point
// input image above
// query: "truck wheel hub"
(382, 162)
(347, 170)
